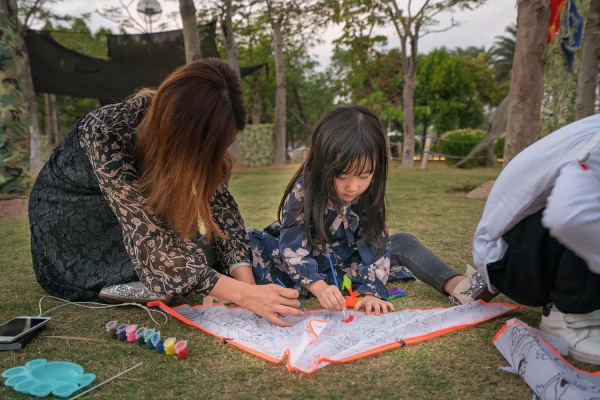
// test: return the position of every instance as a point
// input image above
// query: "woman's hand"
(271, 302)
(329, 296)
(375, 304)
(267, 301)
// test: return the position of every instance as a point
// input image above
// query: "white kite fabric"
(548, 374)
(319, 338)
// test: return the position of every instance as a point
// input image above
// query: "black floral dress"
(90, 226)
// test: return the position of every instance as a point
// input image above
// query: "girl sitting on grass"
(333, 212)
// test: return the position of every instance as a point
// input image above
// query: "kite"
(531, 355)
(319, 337)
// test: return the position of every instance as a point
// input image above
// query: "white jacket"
(547, 174)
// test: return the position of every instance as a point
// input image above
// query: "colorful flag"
(572, 39)
(556, 7)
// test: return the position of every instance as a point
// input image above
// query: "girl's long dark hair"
(346, 139)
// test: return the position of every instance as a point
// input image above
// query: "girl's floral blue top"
(350, 253)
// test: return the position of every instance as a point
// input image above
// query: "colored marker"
(301, 305)
(334, 278)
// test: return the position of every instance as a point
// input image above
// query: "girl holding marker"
(331, 220)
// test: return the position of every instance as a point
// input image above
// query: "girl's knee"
(403, 239)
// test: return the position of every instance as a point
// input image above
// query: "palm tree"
(503, 52)
(472, 52)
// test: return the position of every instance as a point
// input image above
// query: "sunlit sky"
(478, 27)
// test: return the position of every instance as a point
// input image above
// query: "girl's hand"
(329, 296)
(375, 304)
(271, 302)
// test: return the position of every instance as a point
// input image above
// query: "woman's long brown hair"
(182, 144)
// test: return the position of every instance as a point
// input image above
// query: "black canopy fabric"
(135, 61)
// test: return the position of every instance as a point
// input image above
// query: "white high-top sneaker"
(581, 331)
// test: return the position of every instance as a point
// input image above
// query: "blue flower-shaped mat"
(40, 377)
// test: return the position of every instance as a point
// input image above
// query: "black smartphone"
(19, 327)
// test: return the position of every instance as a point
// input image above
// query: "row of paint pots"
(147, 337)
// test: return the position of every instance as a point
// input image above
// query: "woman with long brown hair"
(122, 198)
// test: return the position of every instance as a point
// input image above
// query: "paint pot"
(131, 333)
(121, 332)
(111, 329)
(148, 338)
(139, 336)
(170, 346)
(155, 339)
(160, 347)
(181, 350)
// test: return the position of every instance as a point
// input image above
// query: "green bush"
(457, 144)
(499, 147)
(258, 145)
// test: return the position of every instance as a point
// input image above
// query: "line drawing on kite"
(315, 340)
(542, 367)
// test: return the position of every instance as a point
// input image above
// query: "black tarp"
(135, 61)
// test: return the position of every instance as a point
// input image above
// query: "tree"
(526, 87)
(287, 18)
(191, 37)
(14, 140)
(125, 19)
(229, 36)
(452, 90)
(410, 27)
(368, 74)
(30, 11)
(587, 78)
(77, 36)
(255, 48)
(502, 53)
(309, 93)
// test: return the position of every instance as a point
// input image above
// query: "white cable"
(106, 381)
(93, 305)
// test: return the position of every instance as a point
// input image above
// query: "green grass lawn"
(460, 365)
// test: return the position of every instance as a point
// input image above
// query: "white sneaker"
(470, 289)
(581, 331)
(132, 292)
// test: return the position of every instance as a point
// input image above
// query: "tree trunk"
(52, 119)
(588, 67)
(234, 61)
(230, 46)
(191, 36)
(14, 138)
(408, 99)
(496, 127)
(388, 143)
(527, 80)
(35, 153)
(280, 139)
(256, 99)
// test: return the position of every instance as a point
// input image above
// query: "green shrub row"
(457, 144)
(257, 145)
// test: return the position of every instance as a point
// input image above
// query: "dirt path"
(13, 209)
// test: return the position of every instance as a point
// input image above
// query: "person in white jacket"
(538, 241)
